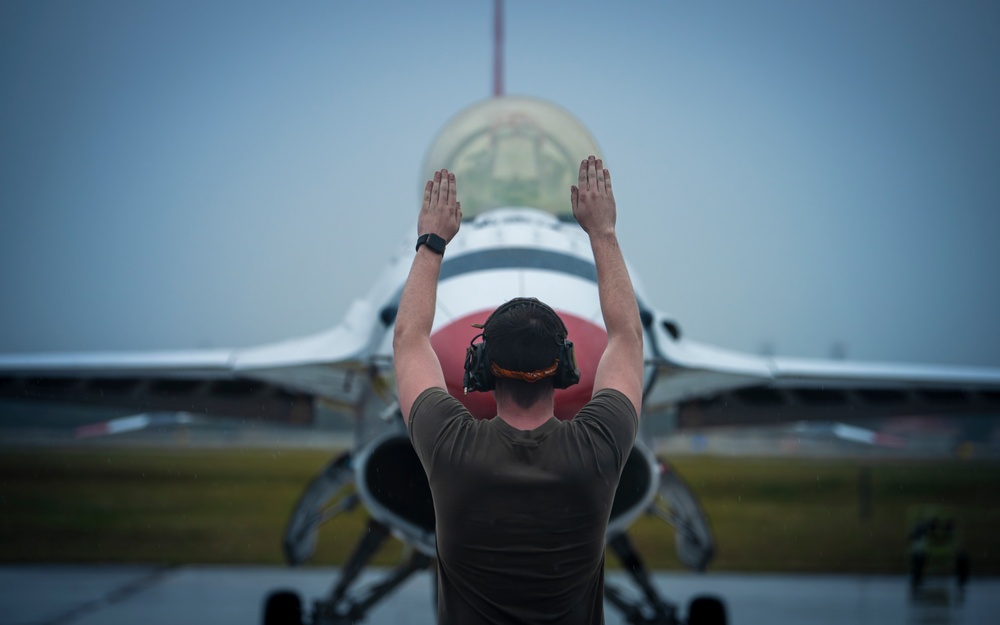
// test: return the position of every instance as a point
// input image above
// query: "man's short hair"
(526, 337)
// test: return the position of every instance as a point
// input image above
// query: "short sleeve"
(432, 412)
(613, 416)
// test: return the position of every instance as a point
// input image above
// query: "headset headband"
(523, 301)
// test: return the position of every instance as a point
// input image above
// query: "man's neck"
(525, 418)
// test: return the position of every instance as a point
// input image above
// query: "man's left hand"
(441, 212)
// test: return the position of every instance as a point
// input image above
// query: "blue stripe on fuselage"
(518, 258)
(512, 258)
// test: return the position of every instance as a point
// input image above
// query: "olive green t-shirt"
(521, 515)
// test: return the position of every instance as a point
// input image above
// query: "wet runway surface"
(224, 595)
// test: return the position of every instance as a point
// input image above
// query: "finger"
(436, 190)
(574, 197)
(599, 166)
(452, 188)
(607, 181)
(591, 173)
(445, 188)
(427, 196)
(582, 178)
(458, 211)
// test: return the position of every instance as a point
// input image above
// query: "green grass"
(220, 506)
(230, 506)
(805, 515)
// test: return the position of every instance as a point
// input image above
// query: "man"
(522, 500)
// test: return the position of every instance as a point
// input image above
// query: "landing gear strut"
(651, 609)
(345, 604)
(343, 607)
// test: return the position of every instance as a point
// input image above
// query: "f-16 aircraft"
(515, 158)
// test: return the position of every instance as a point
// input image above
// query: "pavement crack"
(116, 595)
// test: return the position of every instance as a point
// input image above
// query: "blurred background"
(797, 179)
(792, 178)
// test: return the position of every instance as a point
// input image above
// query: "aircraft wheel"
(283, 607)
(917, 561)
(705, 610)
(962, 568)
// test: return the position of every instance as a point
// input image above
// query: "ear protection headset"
(479, 371)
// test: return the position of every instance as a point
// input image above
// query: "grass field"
(230, 506)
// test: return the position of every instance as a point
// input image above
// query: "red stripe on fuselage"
(451, 341)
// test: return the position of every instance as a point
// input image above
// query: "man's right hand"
(593, 201)
(441, 212)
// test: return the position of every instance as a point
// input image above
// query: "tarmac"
(224, 595)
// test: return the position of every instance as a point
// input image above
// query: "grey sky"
(795, 173)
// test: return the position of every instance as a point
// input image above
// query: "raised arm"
(417, 366)
(594, 208)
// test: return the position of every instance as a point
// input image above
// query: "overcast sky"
(789, 175)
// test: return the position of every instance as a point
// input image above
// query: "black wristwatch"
(433, 242)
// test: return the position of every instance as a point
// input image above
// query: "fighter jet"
(515, 158)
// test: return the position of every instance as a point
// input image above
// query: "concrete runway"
(224, 595)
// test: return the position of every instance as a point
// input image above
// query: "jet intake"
(394, 488)
(391, 482)
(636, 488)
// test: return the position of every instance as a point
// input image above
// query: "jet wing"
(699, 385)
(277, 381)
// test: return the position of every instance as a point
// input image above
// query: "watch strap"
(432, 241)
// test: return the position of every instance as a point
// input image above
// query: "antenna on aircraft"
(497, 48)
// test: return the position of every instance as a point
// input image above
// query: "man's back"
(522, 515)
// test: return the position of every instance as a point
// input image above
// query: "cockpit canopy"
(509, 152)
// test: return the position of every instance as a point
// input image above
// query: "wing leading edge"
(700, 386)
(275, 382)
